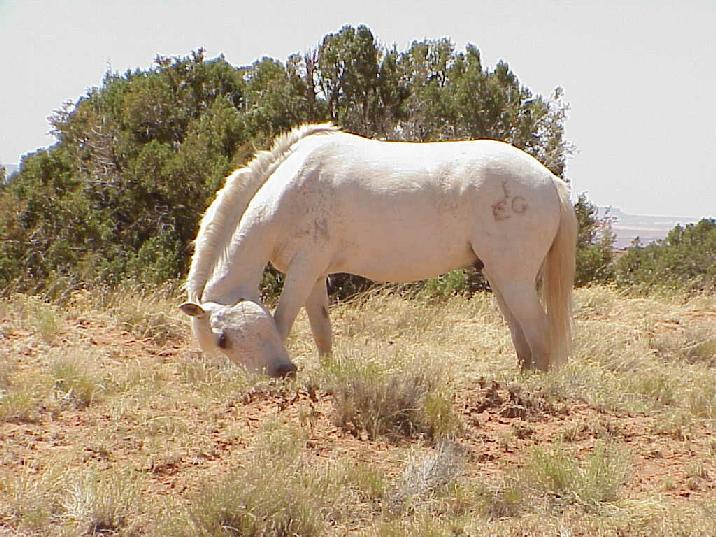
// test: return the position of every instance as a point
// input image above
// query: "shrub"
(138, 159)
(685, 259)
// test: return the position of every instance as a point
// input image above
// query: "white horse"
(324, 201)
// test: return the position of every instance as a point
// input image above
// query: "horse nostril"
(286, 370)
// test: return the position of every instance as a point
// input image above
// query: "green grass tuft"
(558, 475)
(402, 399)
(76, 381)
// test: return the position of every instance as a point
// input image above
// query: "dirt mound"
(509, 401)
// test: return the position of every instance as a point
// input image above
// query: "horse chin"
(276, 359)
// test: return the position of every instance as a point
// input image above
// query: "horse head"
(245, 332)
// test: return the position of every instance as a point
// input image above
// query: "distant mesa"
(628, 227)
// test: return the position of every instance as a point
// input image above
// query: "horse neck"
(240, 275)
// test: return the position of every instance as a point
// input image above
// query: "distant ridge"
(628, 227)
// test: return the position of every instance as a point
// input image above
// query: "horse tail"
(558, 279)
(224, 214)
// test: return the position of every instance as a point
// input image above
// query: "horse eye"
(223, 341)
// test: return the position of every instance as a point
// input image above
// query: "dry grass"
(420, 424)
(42, 318)
(278, 490)
(426, 474)
(100, 504)
(22, 394)
(559, 475)
(151, 315)
(57, 501)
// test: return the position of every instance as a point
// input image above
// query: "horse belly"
(406, 268)
(403, 253)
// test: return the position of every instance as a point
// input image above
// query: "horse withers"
(323, 201)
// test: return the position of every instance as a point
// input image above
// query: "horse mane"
(224, 214)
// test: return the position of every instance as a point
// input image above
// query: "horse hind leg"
(511, 266)
(523, 302)
(522, 347)
(529, 327)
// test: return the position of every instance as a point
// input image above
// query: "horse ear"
(193, 310)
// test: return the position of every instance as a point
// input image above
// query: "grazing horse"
(324, 201)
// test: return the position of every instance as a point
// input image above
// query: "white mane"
(224, 214)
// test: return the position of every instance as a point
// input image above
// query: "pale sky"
(639, 75)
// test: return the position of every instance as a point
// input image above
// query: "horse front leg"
(300, 280)
(317, 310)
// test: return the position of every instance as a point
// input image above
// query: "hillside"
(628, 227)
(112, 423)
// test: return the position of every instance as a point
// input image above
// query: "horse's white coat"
(389, 211)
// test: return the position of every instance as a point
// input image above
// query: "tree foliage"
(138, 159)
